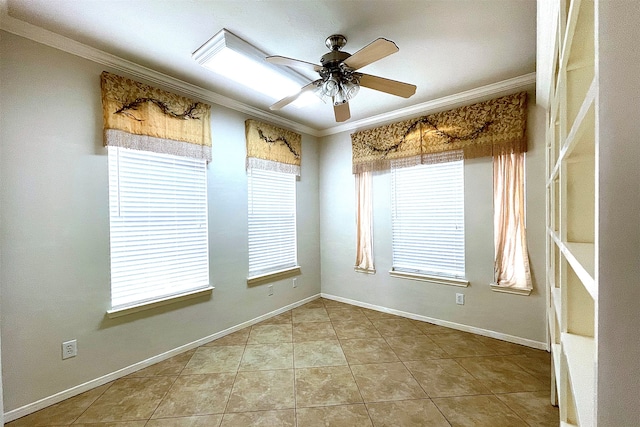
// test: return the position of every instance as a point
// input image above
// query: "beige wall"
(514, 315)
(55, 232)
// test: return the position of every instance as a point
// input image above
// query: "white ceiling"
(446, 46)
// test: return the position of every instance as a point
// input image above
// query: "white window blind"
(272, 222)
(158, 226)
(428, 219)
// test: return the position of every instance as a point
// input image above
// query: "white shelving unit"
(572, 197)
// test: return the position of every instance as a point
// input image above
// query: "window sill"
(514, 291)
(426, 278)
(119, 312)
(274, 276)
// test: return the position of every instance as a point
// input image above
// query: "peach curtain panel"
(142, 117)
(511, 255)
(364, 223)
(273, 148)
(487, 128)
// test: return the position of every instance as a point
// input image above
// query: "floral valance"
(145, 118)
(272, 148)
(487, 128)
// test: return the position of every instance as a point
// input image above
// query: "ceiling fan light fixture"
(350, 90)
(331, 86)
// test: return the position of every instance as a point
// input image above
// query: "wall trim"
(81, 388)
(68, 45)
(459, 326)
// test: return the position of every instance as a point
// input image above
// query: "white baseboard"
(81, 388)
(466, 328)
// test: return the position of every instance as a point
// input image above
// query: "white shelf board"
(556, 351)
(581, 257)
(579, 124)
(572, 20)
(580, 354)
(557, 302)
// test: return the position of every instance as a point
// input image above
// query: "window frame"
(268, 182)
(404, 229)
(137, 173)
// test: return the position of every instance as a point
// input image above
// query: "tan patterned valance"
(145, 118)
(272, 148)
(487, 128)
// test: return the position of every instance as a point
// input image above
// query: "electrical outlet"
(295, 282)
(69, 349)
(270, 290)
(460, 299)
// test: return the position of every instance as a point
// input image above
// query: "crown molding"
(65, 44)
(479, 94)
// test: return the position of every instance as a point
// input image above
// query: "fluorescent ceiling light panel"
(230, 56)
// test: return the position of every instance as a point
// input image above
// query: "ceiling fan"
(339, 80)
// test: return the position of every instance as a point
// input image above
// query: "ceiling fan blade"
(372, 52)
(341, 111)
(289, 99)
(295, 63)
(393, 87)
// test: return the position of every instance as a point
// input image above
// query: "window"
(272, 222)
(158, 227)
(428, 219)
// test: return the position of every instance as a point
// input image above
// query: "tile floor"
(326, 364)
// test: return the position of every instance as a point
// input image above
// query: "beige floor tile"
(280, 319)
(352, 330)
(501, 375)
(142, 423)
(537, 365)
(318, 353)
(211, 360)
(324, 386)
(412, 347)
(128, 400)
(379, 315)
(368, 350)
(170, 367)
(430, 328)
(197, 421)
(477, 411)
(461, 344)
(346, 315)
(264, 357)
(316, 303)
(262, 391)
(334, 416)
(236, 338)
(302, 314)
(282, 418)
(445, 378)
(313, 331)
(406, 413)
(396, 327)
(533, 407)
(329, 303)
(270, 334)
(502, 348)
(204, 394)
(386, 381)
(62, 413)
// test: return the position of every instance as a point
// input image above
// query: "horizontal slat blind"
(272, 221)
(158, 226)
(428, 219)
